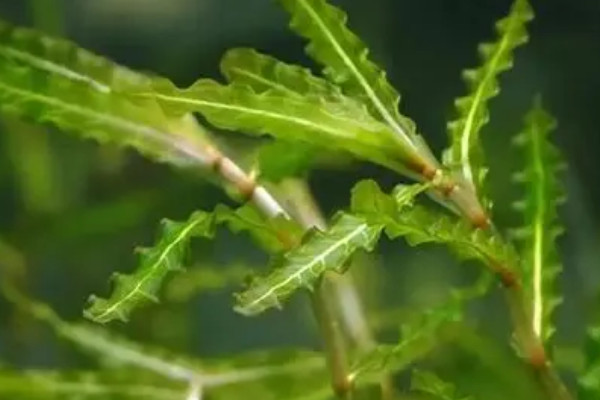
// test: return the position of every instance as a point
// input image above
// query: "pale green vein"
(355, 71)
(319, 259)
(150, 272)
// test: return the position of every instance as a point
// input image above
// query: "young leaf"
(303, 266)
(106, 117)
(541, 262)
(167, 255)
(465, 152)
(419, 224)
(422, 333)
(427, 382)
(155, 263)
(265, 73)
(344, 56)
(331, 125)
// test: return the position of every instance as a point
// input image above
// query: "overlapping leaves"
(419, 224)
(345, 58)
(75, 106)
(301, 267)
(328, 124)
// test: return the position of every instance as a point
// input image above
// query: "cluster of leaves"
(350, 109)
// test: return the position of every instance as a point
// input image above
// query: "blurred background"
(72, 212)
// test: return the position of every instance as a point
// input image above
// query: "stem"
(347, 298)
(465, 199)
(531, 345)
(335, 347)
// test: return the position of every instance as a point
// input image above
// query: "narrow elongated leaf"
(344, 57)
(428, 382)
(421, 334)
(303, 266)
(541, 261)
(63, 58)
(118, 352)
(466, 152)
(107, 347)
(263, 73)
(143, 285)
(80, 385)
(419, 224)
(155, 263)
(330, 125)
(108, 118)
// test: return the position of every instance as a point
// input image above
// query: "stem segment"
(322, 304)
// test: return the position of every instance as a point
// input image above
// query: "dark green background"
(86, 207)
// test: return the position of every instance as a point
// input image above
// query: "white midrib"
(264, 113)
(137, 288)
(307, 267)
(468, 132)
(54, 68)
(538, 238)
(118, 123)
(391, 121)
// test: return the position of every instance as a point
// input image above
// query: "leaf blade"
(466, 150)
(167, 255)
(301, 267)
(544, 194)
(290, 118)
(345, 58)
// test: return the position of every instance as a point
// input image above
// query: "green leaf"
(419, 224)
(589, 381)
(265, 73)
(541, 262)
(107, 347)
(67, 385)
(427, 382)
(346, 62)
(118, 352)
(155, 263)
(143, 285)
(466, 152)
(421, 334)
(106, 117)
(331, 125)
(63, 58)
(303, 266)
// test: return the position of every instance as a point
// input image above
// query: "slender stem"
(322, 305)
(349, 311)
(335, 346)
(465, 199)
(530, 343)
